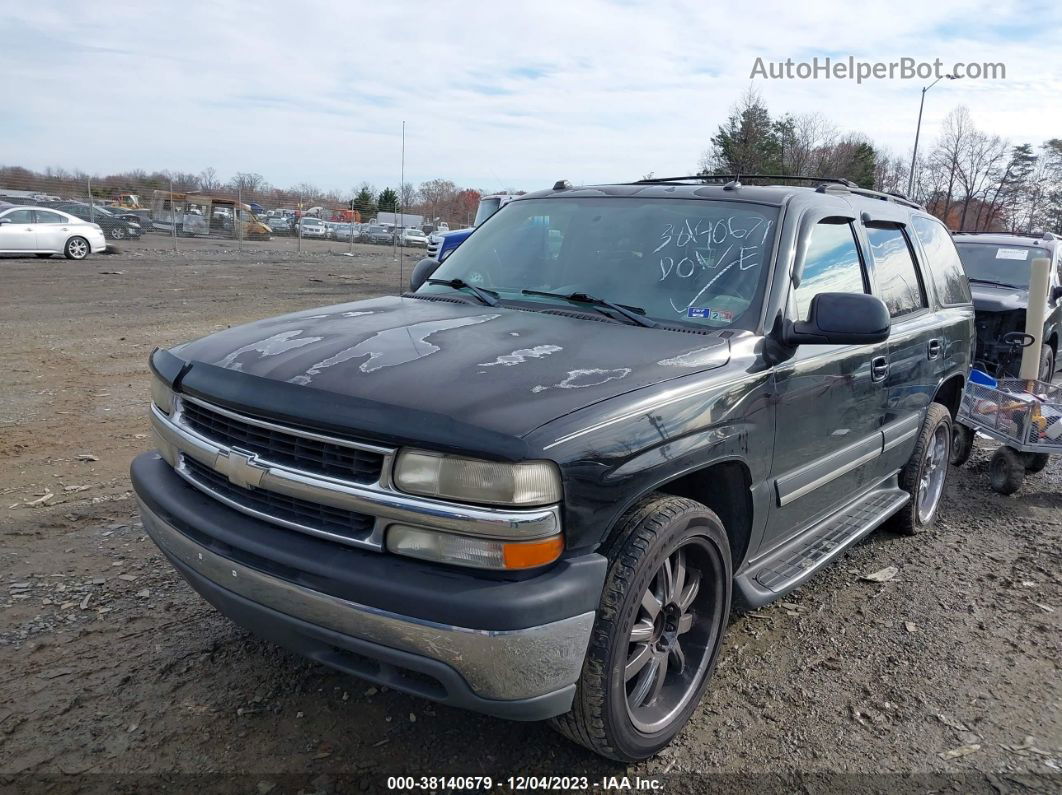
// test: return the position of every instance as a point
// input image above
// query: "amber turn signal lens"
(528, 554)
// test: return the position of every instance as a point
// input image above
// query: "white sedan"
(44, 232)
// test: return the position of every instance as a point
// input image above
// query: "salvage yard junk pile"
(594, 470)
(556, 531)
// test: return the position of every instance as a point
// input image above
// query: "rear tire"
(658, 632)
(1006, 470)
(76, 248)
(1047, 363)
(925, 474)
(1035, 462)
(962, 442)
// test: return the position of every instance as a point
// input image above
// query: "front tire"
(117, 233)
(659, 629)
(76, 248)
(926, 472)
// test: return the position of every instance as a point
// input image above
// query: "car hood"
(987, 298)
(500, 369)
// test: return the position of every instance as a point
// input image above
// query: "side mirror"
(842, 319)
(1056, 291)
(422, 271)
(5, 220)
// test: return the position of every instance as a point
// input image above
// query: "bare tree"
(208, 180)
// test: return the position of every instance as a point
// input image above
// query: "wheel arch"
(725, 487)
(949, 393)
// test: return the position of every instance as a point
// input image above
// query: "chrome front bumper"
(509, 665)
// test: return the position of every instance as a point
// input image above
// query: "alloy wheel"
(671, 641)
(934, 472)
(78, 248)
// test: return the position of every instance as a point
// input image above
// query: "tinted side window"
(45, 217)
(831, 265)
(945, 267)
(20, 216)
(895, 271)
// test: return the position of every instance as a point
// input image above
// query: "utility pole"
(918, 130)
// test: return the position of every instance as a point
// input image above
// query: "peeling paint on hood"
(270, 346)
(498, 368)
(382, 350)
(522, 355)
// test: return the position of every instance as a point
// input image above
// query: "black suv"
(998, 268)
(532, 485)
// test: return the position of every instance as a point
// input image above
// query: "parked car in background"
(411, 236)
(379, 234)
(45, 231)
(280, 224)
(114, 227)
(312, 227)
(343, 232)
(532, 485)
(997, 266)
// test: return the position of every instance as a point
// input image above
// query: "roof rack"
(1035, 234)
(888, 196)
(738, 177)
(824, 184)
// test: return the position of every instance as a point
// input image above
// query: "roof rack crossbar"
(740, 177)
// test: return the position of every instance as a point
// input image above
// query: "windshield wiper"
(997, 284)
(489, 297)
(629, 312)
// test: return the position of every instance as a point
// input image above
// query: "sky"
(495, 95)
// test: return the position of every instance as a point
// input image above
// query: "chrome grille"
(275, 445)
(310, 515)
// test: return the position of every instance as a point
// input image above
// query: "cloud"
(495, 95)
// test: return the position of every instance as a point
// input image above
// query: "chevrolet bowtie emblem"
(242, 468)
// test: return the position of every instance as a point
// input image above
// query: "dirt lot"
(112, 670)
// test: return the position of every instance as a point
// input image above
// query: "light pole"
(918, 130)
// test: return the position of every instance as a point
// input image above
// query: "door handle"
(934, 348)
(879, 368)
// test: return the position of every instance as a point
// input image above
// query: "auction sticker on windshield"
(1012, 253)
(710, 314)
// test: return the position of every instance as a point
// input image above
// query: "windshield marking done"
(580, 379)
(522, 355)
(702, 244)
(703, 260)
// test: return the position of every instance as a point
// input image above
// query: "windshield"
(487, 208)
(999, 264)
(685, 261)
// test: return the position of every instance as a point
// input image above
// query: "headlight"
(469, 479)
(161, 395)
(480, 553)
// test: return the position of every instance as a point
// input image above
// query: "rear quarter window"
(945, 267)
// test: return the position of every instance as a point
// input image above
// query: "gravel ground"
(115, 676)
